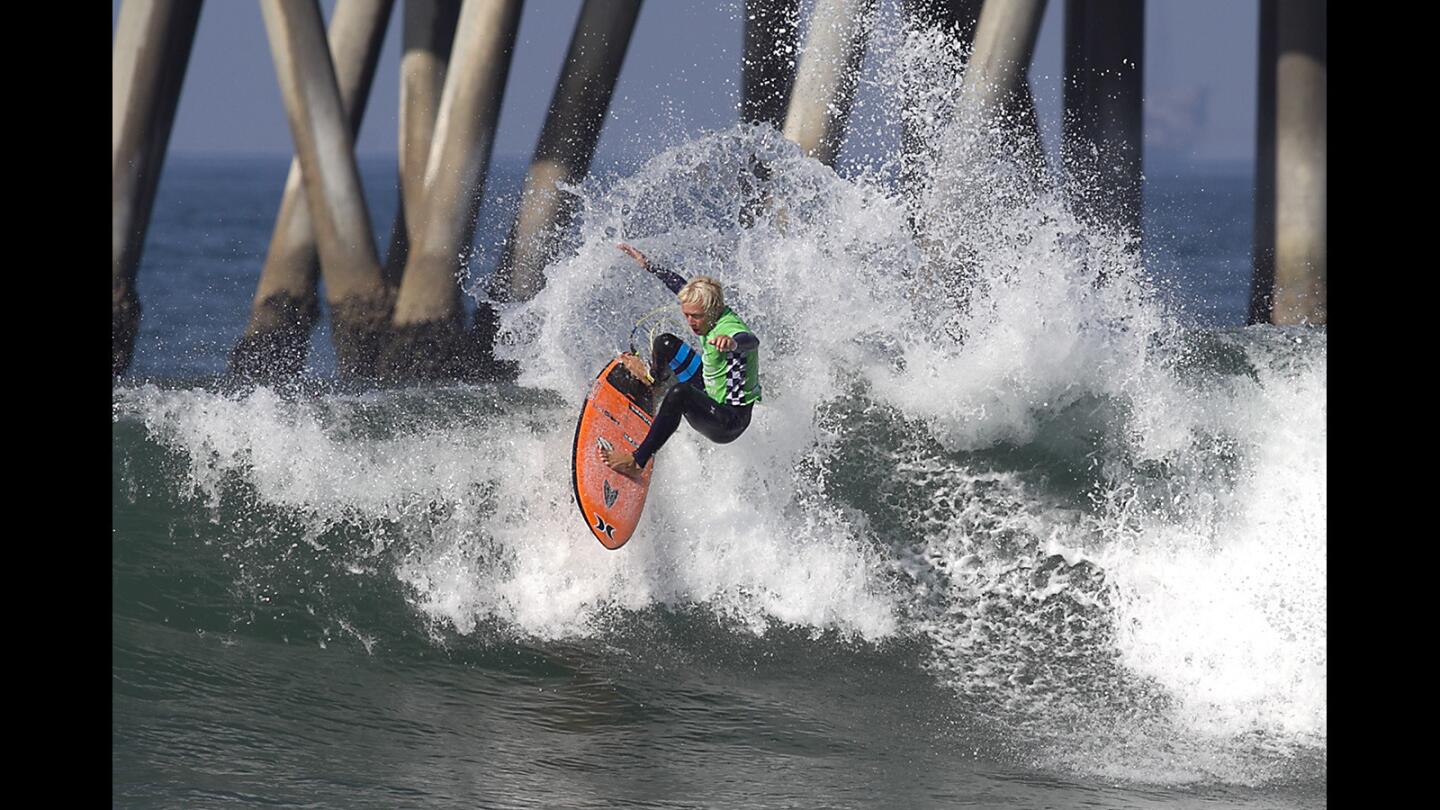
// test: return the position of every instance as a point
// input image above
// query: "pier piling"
(566, 147)
(995, 88)
(151, 51)
(827, 76)
(286, 305)
(1103, 120)
(358, 299)
(427, 335)
(1289, 286)
(957, 18)
(429, 34)
(767, 67)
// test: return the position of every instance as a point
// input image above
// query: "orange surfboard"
(617, 413)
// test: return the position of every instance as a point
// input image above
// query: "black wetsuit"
(720, 422)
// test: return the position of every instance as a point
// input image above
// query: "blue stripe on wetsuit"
(687, 357)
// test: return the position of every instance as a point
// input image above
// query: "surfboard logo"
(610, 494)
(644, 417)
(604, 528)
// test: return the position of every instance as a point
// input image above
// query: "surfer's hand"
(634, 254)
(724, 343)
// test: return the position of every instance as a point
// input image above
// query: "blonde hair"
(705, 291)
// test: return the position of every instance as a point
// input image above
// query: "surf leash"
(649, 333)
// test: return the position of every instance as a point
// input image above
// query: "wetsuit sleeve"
(745, 342)
(672, 279)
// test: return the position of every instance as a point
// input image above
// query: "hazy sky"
(682, 77)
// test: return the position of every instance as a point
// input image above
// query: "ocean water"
(1002, 534)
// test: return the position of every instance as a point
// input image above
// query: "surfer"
(714, 388)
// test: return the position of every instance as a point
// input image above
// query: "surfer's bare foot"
(621, 462)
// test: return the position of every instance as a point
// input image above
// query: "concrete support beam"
(1289, 259)
(428, 37)
(286, 305)
(958, 18)
(995, 96)
(767, 69)
(428, 323)
(151, 51)
(1299, 297)
(1103, 116)
(1262, 278)
(359, 301)
(567, 144)
(996, 80)
(828, 73)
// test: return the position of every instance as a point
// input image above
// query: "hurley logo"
(610, 495)
(605, 528)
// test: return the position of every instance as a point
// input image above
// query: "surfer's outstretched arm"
(672, 280)
(740, 342)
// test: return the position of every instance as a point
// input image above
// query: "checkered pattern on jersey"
(735, 381)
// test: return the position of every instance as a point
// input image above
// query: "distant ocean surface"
(1040, 543)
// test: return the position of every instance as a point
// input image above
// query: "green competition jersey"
(731, 379)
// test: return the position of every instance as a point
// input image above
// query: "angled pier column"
(277, 338)
(996, 85)
(566, 147)
(1300, 292)
(428, 37)
(768, 63)
(359, 301)
(1289, 259)
(1103, 116)
(958, 18)
(826, 78)
(1262, 256)
(999, 68)
(955, 16)
(151, 51)
(767, 73)
(427, 337)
